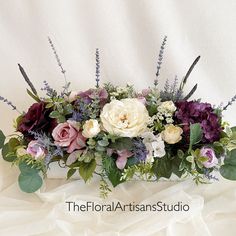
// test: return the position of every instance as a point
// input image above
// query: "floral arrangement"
(120, 134)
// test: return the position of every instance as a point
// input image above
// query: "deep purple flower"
(36, 119)
(196, 112)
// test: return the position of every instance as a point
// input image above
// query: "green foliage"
(115, 177)
(122, 143)
(2, 139)
(162, 167)
(228, 170)
(86, 170)
(111, 170)
(35, 97)
(9, 150)
(29, 179)
(70, 173)
(195, 135)
(141, 170)
(107, 164)
(231, 158)
(60, 108)
(104, 188)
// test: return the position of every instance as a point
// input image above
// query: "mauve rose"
(210, 154)
(36, 119)
(36, 150)
(68, 135)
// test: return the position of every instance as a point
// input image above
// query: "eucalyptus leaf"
(30, 182)
(231, 158)
(27, 169)
(2, 139)
(228, 171)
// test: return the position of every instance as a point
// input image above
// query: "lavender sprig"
(56, 55)
(27, 80)
(233, 99)
(97, 74)
(50, 92)
(160, 58)
(9, 103)
(58, 60)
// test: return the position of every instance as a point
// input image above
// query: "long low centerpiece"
(120, 134)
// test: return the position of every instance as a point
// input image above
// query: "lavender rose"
(36, 150)
(68, 135)
(210, 154)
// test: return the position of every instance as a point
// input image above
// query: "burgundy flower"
(36, 119)
(196, 112)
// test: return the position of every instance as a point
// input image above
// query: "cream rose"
(172, 134)
(127, 117)
(91, 128)
(169, 106)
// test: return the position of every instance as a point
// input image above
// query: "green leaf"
(68, 109)
(27, 169)
(86, 170)
(54, 114)
(175, 167)
(231, 158)
(2, 139)
(122, 143)
(195, 135)
(115, 177)
(162, 167)
(36, 98)
(180, 154)
(7, 155)
(30, 182)
(233, 129)
(103, 143)
(202, 159)
(70, 173)
(49, 105)
(228, 171)
(13, 144)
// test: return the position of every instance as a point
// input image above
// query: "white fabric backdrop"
(129, 35)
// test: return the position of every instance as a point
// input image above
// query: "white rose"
(172, 134)
(91, 128)
(126, 118)
(168, 106)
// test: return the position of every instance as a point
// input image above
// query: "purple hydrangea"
(196, 112)
(140, 150)
(91, 94)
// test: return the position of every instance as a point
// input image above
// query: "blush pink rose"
(36, 150)
(68, 135)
